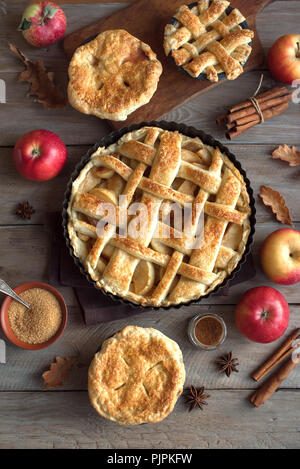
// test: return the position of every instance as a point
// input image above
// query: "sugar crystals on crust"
(113, 75)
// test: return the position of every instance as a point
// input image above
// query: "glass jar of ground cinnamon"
(207, 331)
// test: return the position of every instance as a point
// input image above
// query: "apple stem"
(35, 152)
(298, 50)
(264, 314)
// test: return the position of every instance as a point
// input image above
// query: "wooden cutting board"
(80, 2)
(146, 20)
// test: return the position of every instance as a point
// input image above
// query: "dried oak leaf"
(276, 201)
(58, 372)
(286, 153)
(41, 81)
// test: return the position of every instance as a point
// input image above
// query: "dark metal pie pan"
(113, 137)
(202, 76)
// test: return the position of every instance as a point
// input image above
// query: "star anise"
(195, 397)
(24, 210)
(228, 364)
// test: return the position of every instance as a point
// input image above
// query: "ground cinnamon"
(209, 330)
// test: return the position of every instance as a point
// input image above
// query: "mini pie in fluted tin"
(209, 37)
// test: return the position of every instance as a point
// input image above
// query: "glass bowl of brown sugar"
(207, 331)
(39, 326)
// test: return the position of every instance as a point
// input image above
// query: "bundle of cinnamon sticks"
(287, 349)
(243, 116)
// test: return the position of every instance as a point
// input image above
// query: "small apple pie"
(136, 377)
(113, 75)
(207, 37)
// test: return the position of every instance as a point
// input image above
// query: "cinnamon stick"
(260, 396)
(269, 94)
(267, 114)
(221, 119)
(245, 115)
(281, 353)
(250, 111)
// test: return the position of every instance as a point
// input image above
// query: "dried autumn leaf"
(286, 153)
(276, 201)
(58, 372)
(41, 81)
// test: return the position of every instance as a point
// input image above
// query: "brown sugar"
(209, 330)
(39, 323)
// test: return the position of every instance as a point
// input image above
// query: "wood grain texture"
(48, 196)
(32, 418)
(82, 342)
(83, 2)
(146, 19)
(53, 56)
(28, 246)
(76, 128)
(284, 20)
(229, 421)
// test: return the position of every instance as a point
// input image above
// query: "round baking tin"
(113, 137)
(202, 76)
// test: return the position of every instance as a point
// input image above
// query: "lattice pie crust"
(207, 40)
(155, 166)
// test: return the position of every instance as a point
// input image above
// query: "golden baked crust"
(136, 377)
(207, 40)
(162, 265)
(113, 75)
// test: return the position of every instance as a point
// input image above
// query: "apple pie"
(158, 218)
(136, 377)
(113, 75)
(207, 37)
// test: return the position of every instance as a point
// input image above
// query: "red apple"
(39, 155)
(284, 58)
(262, 314)
(280, 256)
(43, 24)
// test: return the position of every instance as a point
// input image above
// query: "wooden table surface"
(31, 417)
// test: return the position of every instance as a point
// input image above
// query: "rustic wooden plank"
(45, 196)
(82, 2)
(53, 56)
(48, 196)
(23, 370)
(141, 19)
(78, 129)
(28, 246)
(284, 21)
(283, 13)
(66, 420)
(229, 421)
